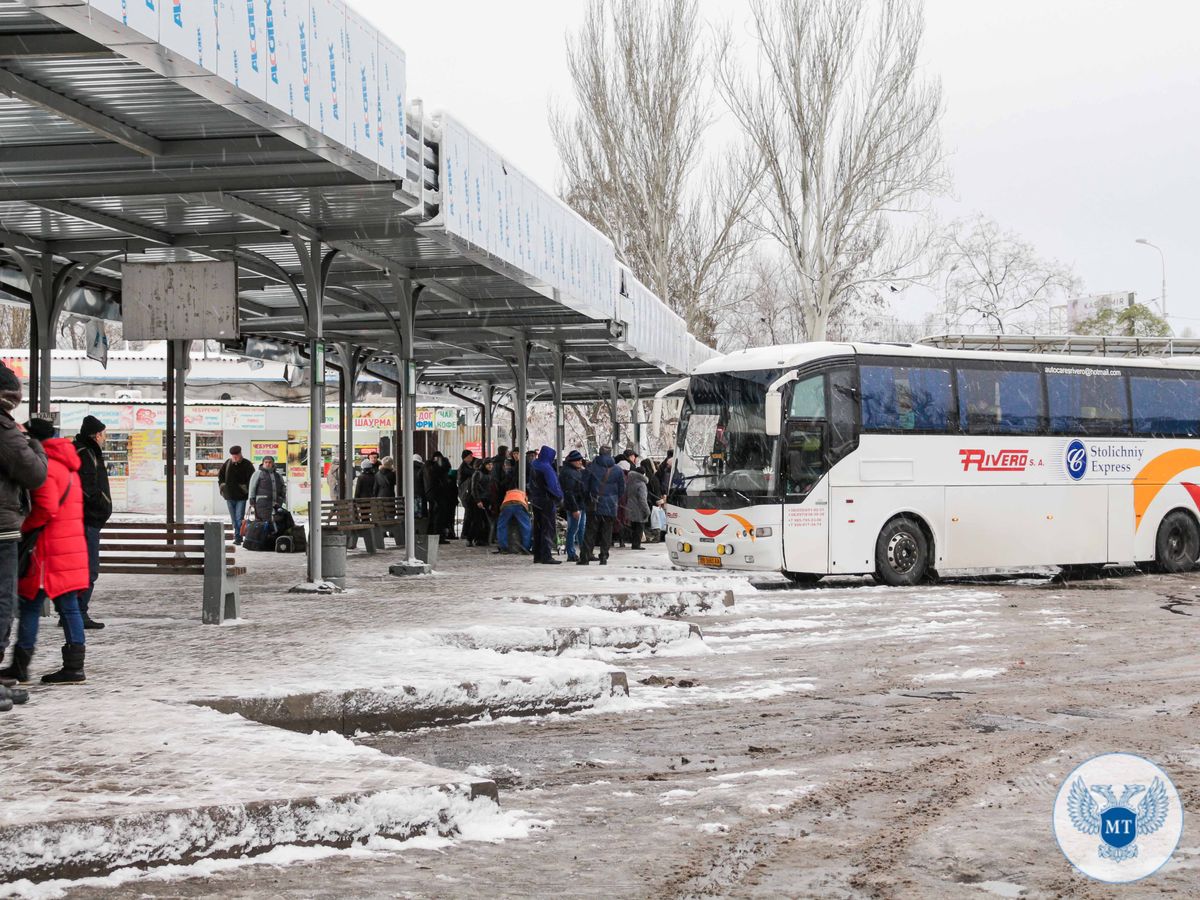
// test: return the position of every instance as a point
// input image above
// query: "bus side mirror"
(774, 413)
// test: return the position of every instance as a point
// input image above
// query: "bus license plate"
(713, 561)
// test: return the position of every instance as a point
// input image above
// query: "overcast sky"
(1075, 123)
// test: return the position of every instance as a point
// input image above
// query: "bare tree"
(14, 325)
(997, 281)
(847, 135)
(634, 156)
(763, 311)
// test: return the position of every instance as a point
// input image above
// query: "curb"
(405, 709)
(90, 847)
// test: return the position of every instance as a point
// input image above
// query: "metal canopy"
(103, 161)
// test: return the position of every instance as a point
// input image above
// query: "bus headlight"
(725, 549)
(685, 547)
(763, 532)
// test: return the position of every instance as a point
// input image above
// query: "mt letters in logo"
(1077, 459)
(1118, 817)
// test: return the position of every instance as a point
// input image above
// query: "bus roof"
(789, 356)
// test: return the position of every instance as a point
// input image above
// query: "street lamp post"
(1163, 297)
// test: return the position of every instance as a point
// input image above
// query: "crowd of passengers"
(605, 501)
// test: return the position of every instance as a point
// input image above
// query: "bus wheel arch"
(904, 550)
(1177, 541)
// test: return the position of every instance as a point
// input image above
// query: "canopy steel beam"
(236, 178)
(61, 44)
(106, 126)
(104, 220)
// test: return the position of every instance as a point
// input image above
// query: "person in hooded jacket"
(605, 489)
(22, 469)
(385, 478)
(637, 506)
(267, 490)
(59, 566)
(574, 487)
(545, 493)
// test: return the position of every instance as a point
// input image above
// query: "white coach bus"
(899, 460)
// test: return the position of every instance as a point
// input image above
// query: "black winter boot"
(19, 668)
(91, 624)
(72, 670)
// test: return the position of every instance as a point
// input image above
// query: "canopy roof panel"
(115, 148)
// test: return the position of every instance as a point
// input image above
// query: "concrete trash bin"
(427, 548)
(333, 557)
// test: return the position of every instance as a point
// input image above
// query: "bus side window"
(843, 414)
(804, 456)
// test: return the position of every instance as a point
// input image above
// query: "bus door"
(804, 462)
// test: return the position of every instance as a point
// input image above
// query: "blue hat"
(573, 456)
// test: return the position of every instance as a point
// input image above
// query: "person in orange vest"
(514, 507)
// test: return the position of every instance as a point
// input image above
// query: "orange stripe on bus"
(1156, 474)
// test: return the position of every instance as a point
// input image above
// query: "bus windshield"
(725, 456)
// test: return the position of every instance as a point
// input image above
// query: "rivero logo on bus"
(1076, 459)
(996, 460)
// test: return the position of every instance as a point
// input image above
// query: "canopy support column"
(613, 397)
(182, 364)
(485, 437)
(521, 349)
(347, 386)
(408, 295)
(635, 415)
(316, 263)
(560, 419)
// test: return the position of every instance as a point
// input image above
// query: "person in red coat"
(59, 568)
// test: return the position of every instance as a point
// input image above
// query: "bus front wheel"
(901, 553)
(1178, 543)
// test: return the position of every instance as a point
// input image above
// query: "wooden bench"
(352, 518)
(178, 548)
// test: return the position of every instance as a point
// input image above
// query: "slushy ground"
(843, 741)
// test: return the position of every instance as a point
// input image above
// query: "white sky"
(1075, 123)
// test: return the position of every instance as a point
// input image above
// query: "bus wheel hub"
(902, 552)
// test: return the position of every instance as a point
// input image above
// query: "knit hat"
(8, 379)
(623, 465)
(573, 456)
(467, 453)
(10, 389)
(91, 425)
(417, 458)
(235, 450)
(40, 429)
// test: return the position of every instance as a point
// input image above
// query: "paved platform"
(146, 764)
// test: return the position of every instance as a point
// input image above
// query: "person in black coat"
(97, 502)
(365, 485)
(385, 478)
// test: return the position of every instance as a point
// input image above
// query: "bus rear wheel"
(901, 553)
(1178, 543)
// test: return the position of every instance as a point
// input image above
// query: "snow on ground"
(135, 745)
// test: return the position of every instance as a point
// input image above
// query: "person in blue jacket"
(605, 490)
(545, 493)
